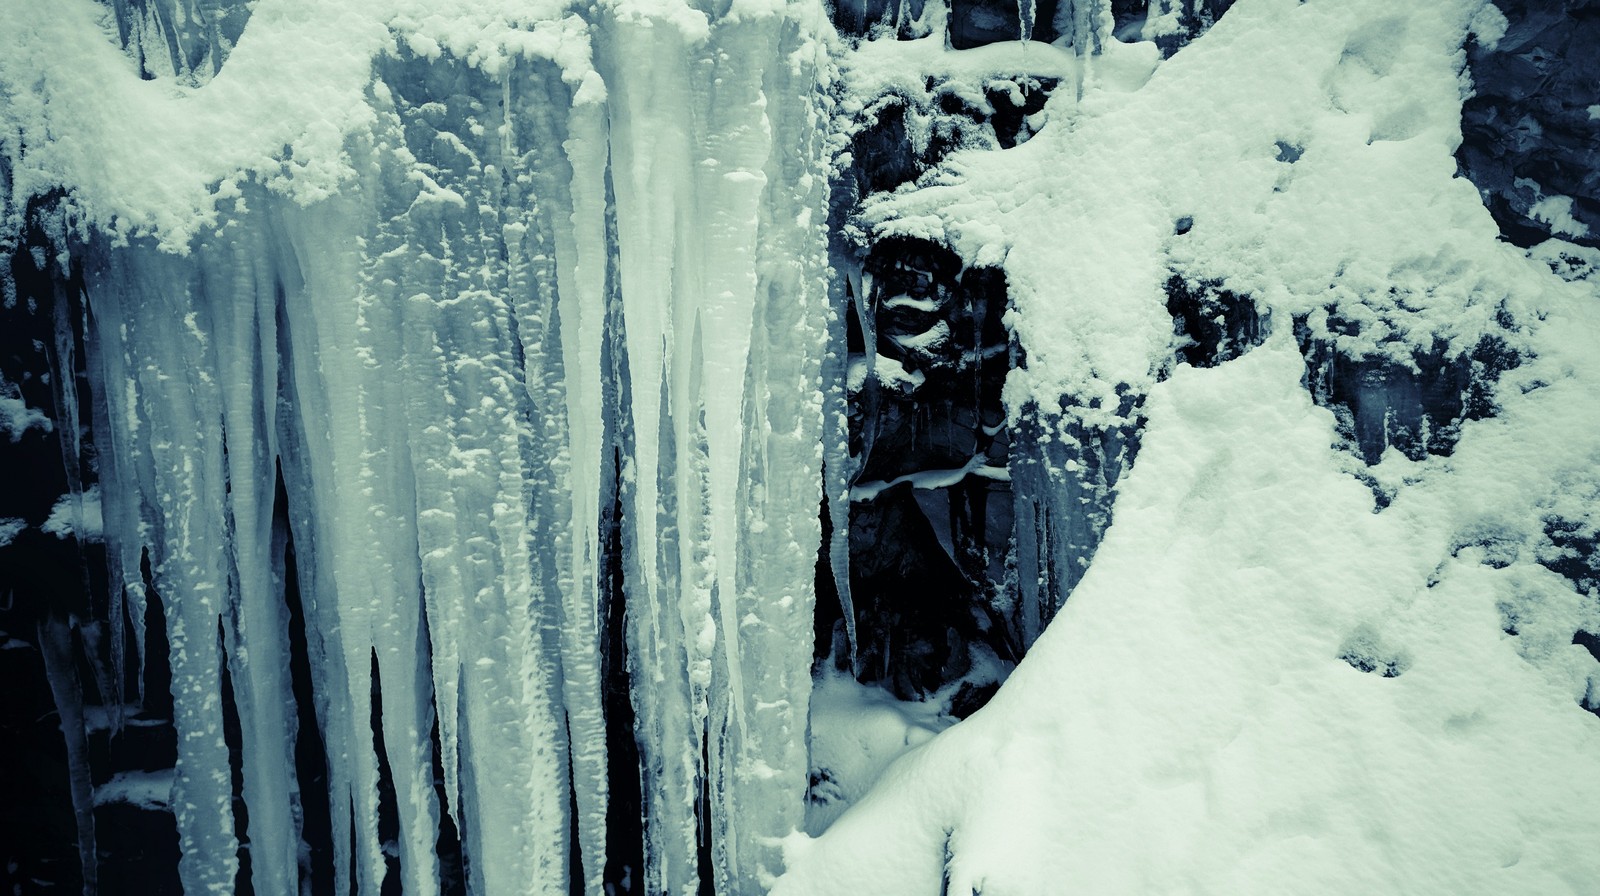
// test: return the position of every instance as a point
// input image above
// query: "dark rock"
(1415, 407)
(1210, 324)
(858, 18)
(188, 38)
(1063, 472)
(974, 23)
(1588, 641)
(1527, 133)
(1573, 552)
(925, 561)
(970, 698)
(913, 606)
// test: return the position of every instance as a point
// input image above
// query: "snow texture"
(16, 418)
(1266, 681)
(76, 516)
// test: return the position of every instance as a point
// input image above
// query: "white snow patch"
(145, 789)
(16, 418)
(894, 375)
(978, 466)
(1557, 212)
(77, 516)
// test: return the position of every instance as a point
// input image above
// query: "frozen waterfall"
(558, 268)
(698, 448)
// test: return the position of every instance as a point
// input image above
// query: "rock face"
(189, 39)
(1531, 132)
(956, 541)
(1415, 406)
(932, 505)
(930, 517)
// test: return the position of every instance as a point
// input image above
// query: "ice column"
(719, 199)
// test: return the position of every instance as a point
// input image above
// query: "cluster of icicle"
(549, 293)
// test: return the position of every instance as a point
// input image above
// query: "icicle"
(439, 358)
(55, 644)
(581, 270)
(839, 467)
(241, 306)
(646, 68)
(176, 393)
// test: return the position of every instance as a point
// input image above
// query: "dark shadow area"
(625, 809)
(233, 737)
(1210, 324)
(388, 805)
(310, 757)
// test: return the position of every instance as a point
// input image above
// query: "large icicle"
(704, 192)
(344, 343)
(241, 291)
(150, 303)
(780, 471)
(645, 60)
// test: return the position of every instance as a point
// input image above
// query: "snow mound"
(1267, 681)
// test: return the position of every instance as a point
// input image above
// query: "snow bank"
(1266, 682)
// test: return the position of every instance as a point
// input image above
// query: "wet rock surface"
(930, 512)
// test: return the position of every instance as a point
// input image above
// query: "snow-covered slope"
(1284, 670)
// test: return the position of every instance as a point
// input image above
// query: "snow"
(893, 374)
(978, 466)
(1197, 717)
(1229, 746)
(1557, 212)
(449, 265)
(143, 789)
(856, 731)
(16, 418)
(10, 528)
(75, 516)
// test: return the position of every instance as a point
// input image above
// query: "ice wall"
(552, 258)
